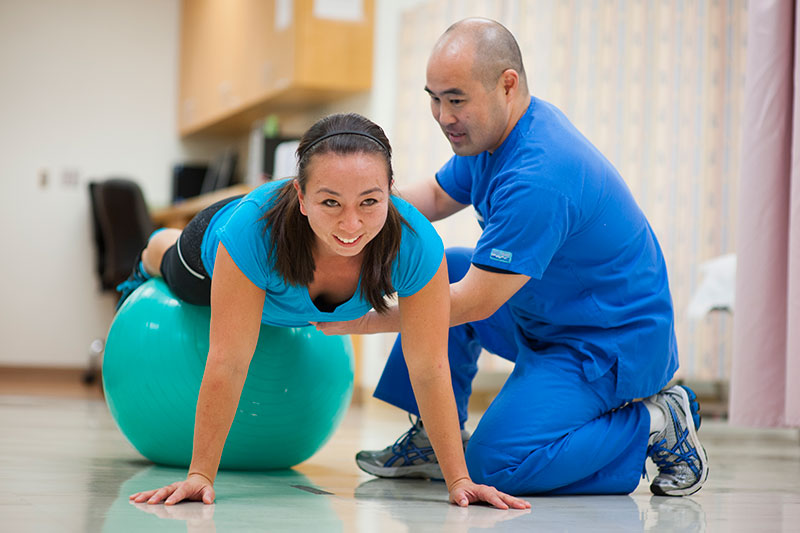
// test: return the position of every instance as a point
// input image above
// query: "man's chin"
(464, 150)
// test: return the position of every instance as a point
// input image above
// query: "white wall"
(87, 88)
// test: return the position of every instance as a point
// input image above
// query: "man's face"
(472, 118)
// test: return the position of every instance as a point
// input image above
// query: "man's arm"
(480, 293)
(477, 296)
(430, 199)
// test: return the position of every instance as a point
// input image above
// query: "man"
(567, 280)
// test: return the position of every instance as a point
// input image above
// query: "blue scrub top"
(239, 228)
(552, 207)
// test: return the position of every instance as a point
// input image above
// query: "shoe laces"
(128, 285)
(404, 446)
(668, 458)
(138, 277)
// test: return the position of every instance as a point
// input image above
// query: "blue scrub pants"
(549, 430)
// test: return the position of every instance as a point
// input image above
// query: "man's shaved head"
(492, 46)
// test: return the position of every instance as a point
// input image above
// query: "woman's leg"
(156, 247)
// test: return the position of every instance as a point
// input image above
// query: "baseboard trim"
(48, 381)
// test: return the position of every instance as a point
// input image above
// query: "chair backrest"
(122, 225)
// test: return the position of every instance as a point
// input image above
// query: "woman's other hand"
(464, 492)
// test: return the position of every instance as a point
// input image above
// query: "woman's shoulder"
(420, 253)
(416, 227)
(409, 212)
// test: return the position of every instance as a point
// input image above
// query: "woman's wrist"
(204, 476)
(451, 485)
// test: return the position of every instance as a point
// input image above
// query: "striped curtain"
(656, 85)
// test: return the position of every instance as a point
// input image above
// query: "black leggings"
(182, 266)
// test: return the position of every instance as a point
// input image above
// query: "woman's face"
(346, 200)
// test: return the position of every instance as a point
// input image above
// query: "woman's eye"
(369, 201)
(330, 203)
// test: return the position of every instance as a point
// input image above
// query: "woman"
(329, 245)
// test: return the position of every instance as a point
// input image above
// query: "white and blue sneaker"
(676, 450)
(411, 456)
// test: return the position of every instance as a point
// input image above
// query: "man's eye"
(456, 101)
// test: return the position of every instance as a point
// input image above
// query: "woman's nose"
(350, 221)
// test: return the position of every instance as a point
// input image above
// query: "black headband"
(345, 132)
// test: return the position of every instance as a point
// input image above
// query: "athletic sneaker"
(137, 277)
(681, 459)
(411, 456)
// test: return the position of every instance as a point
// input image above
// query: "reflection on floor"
(64, 466)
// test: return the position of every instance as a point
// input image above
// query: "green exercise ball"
(297, 390)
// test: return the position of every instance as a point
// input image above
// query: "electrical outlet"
(70, 177)
(43, 178)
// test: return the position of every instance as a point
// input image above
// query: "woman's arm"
(236, 307)
(424, 324)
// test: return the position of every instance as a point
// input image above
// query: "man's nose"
(446, 117)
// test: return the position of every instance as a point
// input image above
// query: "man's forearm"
(388, 322)
(462, 310)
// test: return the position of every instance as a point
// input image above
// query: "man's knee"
(488, 466)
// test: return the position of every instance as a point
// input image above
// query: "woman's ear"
(300, 196)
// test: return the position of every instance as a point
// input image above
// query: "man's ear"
(510, 80)
(300, 196)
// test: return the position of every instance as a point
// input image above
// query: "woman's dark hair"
(291, 236)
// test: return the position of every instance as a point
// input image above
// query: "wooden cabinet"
(243, 59)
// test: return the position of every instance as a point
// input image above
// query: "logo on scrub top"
(501, 255)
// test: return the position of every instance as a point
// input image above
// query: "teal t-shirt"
(239, 227)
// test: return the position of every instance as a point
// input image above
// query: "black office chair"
(122, 225)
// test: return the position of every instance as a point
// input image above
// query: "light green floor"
(65, 467)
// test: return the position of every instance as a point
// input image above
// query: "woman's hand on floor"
(196, 487)
(464, 492)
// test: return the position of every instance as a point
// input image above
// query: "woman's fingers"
(491, 496)
(177, 495)
(515, 503)
(161, 494)
(143, 496)
(473, 493)
(208, 495)
(177, 492)
(501, 500)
